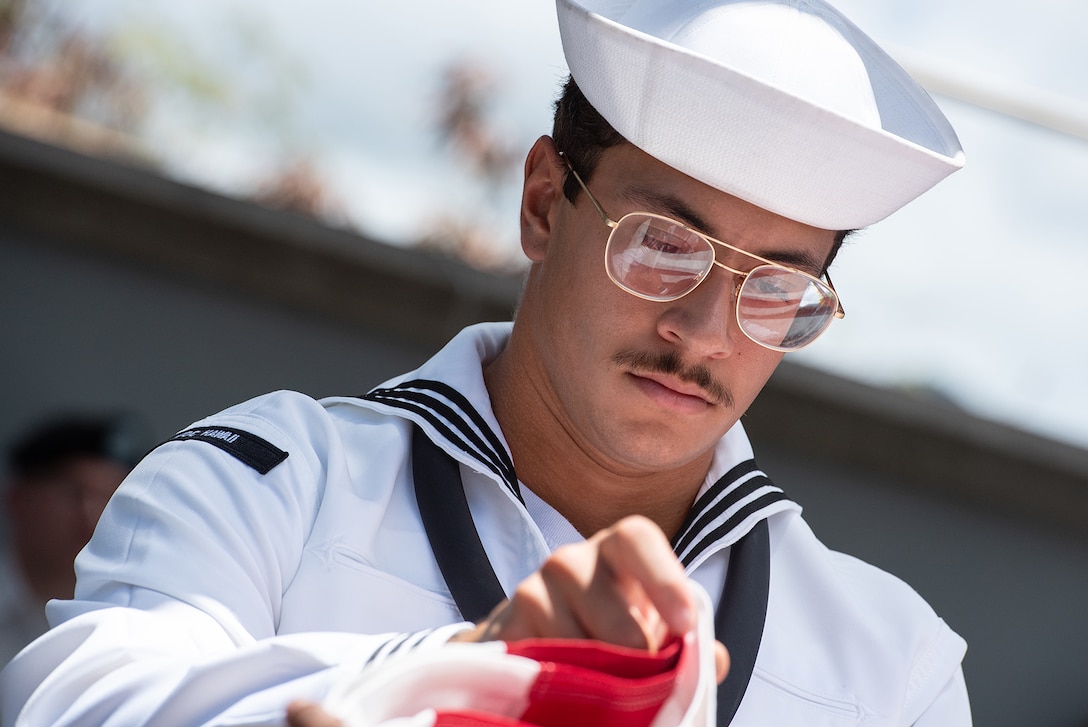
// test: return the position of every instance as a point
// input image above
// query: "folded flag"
(540, 683)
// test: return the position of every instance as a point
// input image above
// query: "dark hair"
(122, 438)
(581, 133)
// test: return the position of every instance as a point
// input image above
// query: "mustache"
(670, 364)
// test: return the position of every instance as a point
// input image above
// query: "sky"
(974, 293)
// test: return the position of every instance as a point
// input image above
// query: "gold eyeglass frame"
(613, 225)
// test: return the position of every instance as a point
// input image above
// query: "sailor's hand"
(623, 586)
(308, 714)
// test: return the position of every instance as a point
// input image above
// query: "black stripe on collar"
(453, 415)
(704, 524)
(732, 523)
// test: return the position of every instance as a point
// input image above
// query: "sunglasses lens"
(783, 309)
(656, 258)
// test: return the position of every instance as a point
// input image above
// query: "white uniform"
(213, 594)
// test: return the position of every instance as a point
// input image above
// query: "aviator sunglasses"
(660, 259)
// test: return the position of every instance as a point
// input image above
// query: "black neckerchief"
(455, 542)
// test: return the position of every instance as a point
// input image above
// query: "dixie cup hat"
(782, 103)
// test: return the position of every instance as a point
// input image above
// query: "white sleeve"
(122, 667)
(177, 605)
(951, 708)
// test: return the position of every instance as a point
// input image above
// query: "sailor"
(566, 474)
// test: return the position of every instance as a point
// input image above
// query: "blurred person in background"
(60, 474)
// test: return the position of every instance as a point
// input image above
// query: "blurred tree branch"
(466, 90)
(98, 92)
(60, 84)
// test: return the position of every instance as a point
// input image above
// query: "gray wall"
(86, 333)
(108, 305)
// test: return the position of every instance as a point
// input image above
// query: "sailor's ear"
(540, 198)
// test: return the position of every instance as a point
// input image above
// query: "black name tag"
(247, 448)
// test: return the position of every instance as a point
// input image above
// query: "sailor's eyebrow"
(672, 206)
(800, 260)
(667, 204)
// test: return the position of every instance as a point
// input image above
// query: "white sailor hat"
(782, 103)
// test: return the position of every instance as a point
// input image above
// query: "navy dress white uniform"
(276, 549)
(213, 593)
